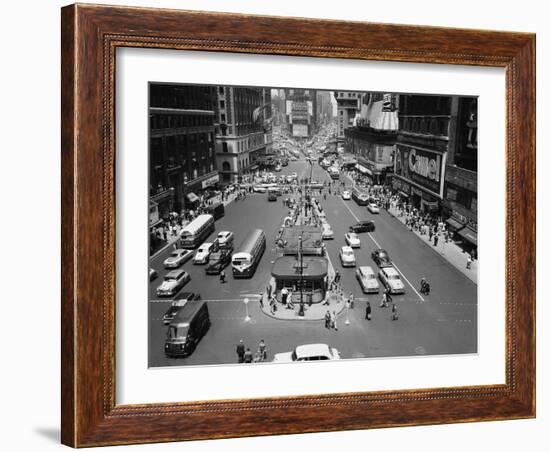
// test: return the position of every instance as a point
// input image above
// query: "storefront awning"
(454, 224)
(363, 169)
(192, 197)
(468, 234)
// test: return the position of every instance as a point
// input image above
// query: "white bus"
(192, 235)
(246, 261)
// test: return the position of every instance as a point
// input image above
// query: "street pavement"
(444, 322)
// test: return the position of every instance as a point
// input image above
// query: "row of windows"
(157, 122)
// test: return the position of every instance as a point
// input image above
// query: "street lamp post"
(301, 311)
(247, 318)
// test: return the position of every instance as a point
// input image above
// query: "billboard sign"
(299, 130)
(423, 167)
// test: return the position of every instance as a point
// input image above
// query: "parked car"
(367, 279)
(177, 258)
(381, 258)
(172, 283)
(362, 226)
(176, 306)
(152, 274)
(347, 257)
(346, 195)
(327, 232)
(352, 239)
(203, 253)
(308, 352)
(225, 239)
(218, 261)
(391, 280)
(373, 208)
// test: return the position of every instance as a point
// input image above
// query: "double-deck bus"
(245, 262)
(196, 232)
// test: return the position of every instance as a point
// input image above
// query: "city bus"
(196, 232)
(245, 262)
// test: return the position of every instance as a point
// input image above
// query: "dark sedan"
(362, 226)
(382, 258)
(176, 306)
(218, 261)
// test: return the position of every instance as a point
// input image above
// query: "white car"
(373, 207)
(352, 239)
(259, 189)
(177, 258)
(367, 279)
(225, 239)
(308, 352)
(327, 233)
(203, 253)
(346, 195)
(172, 283)
(391, 280)
(347, 257)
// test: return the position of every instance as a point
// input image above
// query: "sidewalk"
(171, 238)
(314, 312)
(449, 251)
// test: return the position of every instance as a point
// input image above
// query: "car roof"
(224, 233)
(312, 350)
(390, 271)
(175, 273)
(347, 248)
(381, 251)
(365, 269)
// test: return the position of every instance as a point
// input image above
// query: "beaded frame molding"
(90, 36)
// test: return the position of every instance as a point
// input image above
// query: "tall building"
(301, 105)
(373, 136)
(423, 142)
(349, 104)
(460, 195)
(241, 138)
(324, 107)
(182, 161)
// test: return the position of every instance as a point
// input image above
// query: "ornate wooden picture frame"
(90, 37)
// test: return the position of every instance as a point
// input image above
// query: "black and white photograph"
(292, 224)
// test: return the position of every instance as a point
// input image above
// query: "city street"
(444, 322)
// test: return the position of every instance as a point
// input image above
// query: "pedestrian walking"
(334, 321)
(222, 277)
(436, 239)
(368, 311)
(240, 351)
(351, 301)
(248, 356)
(268, 290)
(384, 301)
(394, 315)
(327, 320)
(389, 298)
(469, 262)
(284, 295)
(262, 350)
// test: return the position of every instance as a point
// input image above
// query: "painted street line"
(379, 246)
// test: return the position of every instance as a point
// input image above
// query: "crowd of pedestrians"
(246, 356)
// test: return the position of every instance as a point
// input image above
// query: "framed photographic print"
(280, 225)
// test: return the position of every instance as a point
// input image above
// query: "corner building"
(182, 161)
